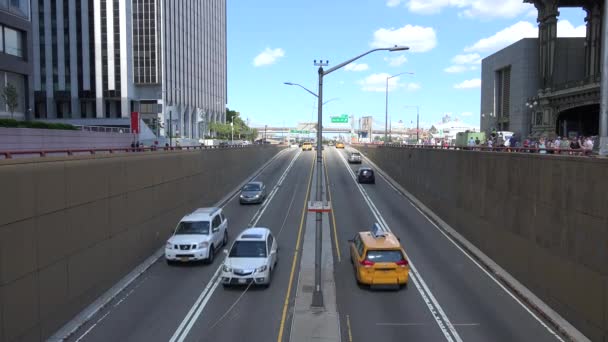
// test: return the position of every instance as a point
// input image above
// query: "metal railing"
(91, 151)
(104, 129)
(533, 150)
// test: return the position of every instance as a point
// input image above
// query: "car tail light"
(402, 263)
(367, 263)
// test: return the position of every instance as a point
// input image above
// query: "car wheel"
(225, 239)
(211, 255)
(267, 285)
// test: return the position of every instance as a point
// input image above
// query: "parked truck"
(462, 138)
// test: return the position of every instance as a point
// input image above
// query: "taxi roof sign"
(377, 231)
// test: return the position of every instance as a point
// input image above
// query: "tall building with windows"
(164, 59)
(16, 57)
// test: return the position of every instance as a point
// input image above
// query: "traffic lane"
(252, 313)
(152, 307)
(478, 307)
(373, 315)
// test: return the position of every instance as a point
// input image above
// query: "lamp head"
(398, 48)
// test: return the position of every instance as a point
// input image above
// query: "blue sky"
(276, 41)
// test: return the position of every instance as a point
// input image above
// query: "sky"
(275, 41)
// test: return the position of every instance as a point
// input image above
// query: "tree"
(10, 97)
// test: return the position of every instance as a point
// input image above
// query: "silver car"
(253, 192)
(354, 158)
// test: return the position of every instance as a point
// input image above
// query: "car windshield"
(384, 256)
(248, 249)
(251, 187)
(187, 228)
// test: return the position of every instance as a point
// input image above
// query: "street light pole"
(386, 103)
(317, 296)
(232, 133)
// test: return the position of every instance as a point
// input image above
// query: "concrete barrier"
(70, 227)
(542, 218)
(24, 139)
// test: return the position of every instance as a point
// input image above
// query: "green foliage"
(35, 124)
(10, 97)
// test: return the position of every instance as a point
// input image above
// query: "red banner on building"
(135, 122)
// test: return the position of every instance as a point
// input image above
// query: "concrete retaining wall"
(71, 227)
(542, 218)
(23, 139)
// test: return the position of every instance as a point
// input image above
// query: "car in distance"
(366, 175)
(251, 259)
(340, 145)
(198, 236)
(378, 259)
(354, 158)
(253, 192)
(307, 146)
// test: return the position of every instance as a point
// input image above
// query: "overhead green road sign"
(297, 131)
(294, 131)
(340, 119)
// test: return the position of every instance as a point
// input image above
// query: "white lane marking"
(448, 330)
(73, 327)
(195, 311)
(517, 300)
(400, 324)
(492, 277)
(92, 327)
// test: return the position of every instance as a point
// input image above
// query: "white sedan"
(251, 259)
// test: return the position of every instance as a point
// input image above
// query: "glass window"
(384, 256)
(13, 42)
(217, 221)
(269, 242)
(251, 187)
(248, 249)
(17, 81)
(187, 228)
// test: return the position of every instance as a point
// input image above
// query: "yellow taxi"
(340, 145)
(307, 146)
(378, 258)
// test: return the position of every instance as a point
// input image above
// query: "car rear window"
(367, 172)
(384, 255)
(187, 228)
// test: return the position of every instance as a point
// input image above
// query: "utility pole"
(265, 130)
(417, 125)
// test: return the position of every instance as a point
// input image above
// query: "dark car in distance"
(253, 192)
(366, 175)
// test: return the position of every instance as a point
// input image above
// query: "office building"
(547, 86)
(104, 59)
(16, 57)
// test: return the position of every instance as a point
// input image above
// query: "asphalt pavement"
(449, 297)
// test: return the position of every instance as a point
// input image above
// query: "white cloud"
(417, 38)
(377, 82)
(520, 30)
(470, 8)
(454, 69)
(471, 58)
(461, 62)
(393, 3)
(356, 67)
(466, 114)
(469, 84)
(566, 29)
(505, 37)
(412, 86)
(268, 56)
(396, 61)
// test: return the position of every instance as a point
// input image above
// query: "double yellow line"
(298, 241)
(295, 257)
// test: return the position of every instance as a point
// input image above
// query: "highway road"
(449, 297)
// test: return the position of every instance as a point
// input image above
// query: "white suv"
(251, 259)
(198, 236)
